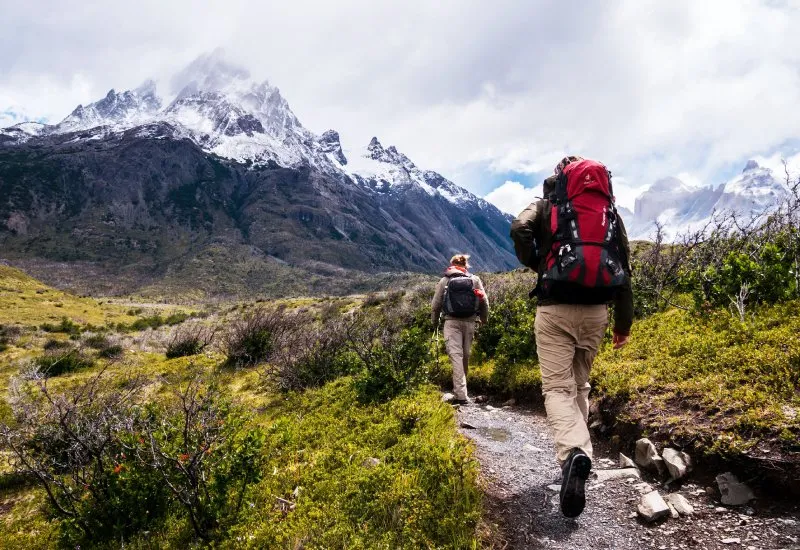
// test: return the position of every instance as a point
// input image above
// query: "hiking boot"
(466, 401)
(575, 473)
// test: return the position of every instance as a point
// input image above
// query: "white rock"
(554, 488)
(680, 504)
(734, 540)
(625, 462)
(652, 507)
(733, 491)
(622, 473)
(490, 408)
(678, 463)
(371, 462)
(647, 456)
(673, 512)
(448, 397)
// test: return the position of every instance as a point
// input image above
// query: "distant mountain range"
(681, 208)
(221, 189)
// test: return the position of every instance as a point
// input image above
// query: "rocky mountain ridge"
(218, 181)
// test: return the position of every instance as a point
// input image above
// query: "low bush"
(113, 465)
(112, 351)
(66, 326)
(190, 341)
(394, 359)
(9, 335)
(252, 338)
(61, 360)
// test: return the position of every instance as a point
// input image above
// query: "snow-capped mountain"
(159, 183)
(681, 208)
(225, 112)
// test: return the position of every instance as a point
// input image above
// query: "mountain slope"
(223, 190)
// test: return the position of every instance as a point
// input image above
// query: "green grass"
(729, 383)
(421, 493)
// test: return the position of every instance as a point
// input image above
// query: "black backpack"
(459, 297)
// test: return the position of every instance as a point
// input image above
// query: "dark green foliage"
(761, 273)
(189, 341)
(66, 326)
(394, 362)
(97, 341)
(62, 360)
(8, 335)
(252, 338)
(508, 336)
(206, 452)
(112, 351)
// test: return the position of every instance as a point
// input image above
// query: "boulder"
(680, 504)
(625, 462)
(621, 473)
(448, 397)
(678, 463)
(648, 458)
(733, 491)
(652, 507)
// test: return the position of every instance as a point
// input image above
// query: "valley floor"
(515, 449)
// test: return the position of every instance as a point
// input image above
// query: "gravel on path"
(517, 456)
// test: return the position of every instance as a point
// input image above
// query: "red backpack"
(584, 263)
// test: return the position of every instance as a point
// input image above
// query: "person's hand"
(620, 340)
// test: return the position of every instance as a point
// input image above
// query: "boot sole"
(573, 492)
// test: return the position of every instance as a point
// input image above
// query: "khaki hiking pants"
(567, 339)
(458, 334)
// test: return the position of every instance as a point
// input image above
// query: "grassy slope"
(733, 385)
(26, 301)
(422, 494)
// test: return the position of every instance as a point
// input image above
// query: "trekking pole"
(436, 343)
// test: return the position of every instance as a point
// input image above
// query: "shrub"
(112, 465)
(66, 326)
(252, 338)
(73, 445)
(112, 351)
(189, 341)
(393, 359)
(97, 341)
(205, 453)
(62, 360)
(311, 353)
(508, 337)
(8, 334)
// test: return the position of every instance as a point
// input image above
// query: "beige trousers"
(567, 339)
(458, 334)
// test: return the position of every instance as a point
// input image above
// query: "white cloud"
(512, 197)
(651, 88)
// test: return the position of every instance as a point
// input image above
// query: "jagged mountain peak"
(750, 166)
(209, 72)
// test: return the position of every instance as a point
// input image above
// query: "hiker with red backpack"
(575, 239)
(460, 296)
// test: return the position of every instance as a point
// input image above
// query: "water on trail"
(517, 457)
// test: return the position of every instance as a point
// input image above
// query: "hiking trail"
(516, 453)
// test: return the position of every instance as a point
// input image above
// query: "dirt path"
(516, 453)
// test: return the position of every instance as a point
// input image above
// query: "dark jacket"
(531, 231)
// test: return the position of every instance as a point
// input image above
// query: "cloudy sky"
(491, 94)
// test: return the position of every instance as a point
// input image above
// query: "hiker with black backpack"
(575, 240)
(461, 298)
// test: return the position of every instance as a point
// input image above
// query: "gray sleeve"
(438, 298)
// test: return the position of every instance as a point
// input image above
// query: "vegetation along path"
(515, 449)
